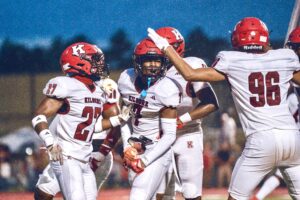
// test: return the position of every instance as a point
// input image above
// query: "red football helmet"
(144, 51)
(250, 34)
(294, 39)
(174, 38)
(83, 59)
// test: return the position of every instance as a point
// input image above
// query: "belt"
(70, 158)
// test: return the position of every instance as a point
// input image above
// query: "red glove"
(130, 153)
(137, 166)
(179, 124)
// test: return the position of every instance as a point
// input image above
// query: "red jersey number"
(265, 88)
(51, 88)
(137, 111)
(90, 113)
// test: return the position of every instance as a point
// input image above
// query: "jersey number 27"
(90, 113)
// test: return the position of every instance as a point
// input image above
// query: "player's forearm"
(168, 127)
(47, 108)
(202, 111)
(110, 141)
(125, 134)
(106, 124)
(296, 78)
(183, 68)
(40, 125)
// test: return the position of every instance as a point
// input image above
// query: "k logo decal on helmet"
(177, 34)
(78, 50)
(174, 38)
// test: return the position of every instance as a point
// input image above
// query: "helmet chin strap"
(144, 91)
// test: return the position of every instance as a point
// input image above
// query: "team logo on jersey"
(78, 49)
(138, 101)
(92, 100)
(190, 144)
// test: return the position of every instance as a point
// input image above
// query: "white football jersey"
(259, 86)
(293, 107)
(189, 90)
(74, 122)
(145, 119)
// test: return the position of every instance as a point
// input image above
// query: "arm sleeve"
(168, 127)
(125, 134)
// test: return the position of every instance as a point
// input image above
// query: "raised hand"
(160, 42)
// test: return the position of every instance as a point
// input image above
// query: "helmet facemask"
(99, 69)
(152, 72)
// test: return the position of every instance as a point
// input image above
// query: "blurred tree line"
(17, 58)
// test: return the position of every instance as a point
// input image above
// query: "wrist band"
(47, 137)
(186, 117)
(115, 121)
(38, 119)
(98, 126)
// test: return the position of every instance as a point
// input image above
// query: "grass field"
(123, 194)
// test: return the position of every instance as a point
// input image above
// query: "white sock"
(269, 185)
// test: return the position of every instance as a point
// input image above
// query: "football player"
(274, 181)
(76, 102)
(153, 99)
(198, 101)
(47, 186)
(259, 79)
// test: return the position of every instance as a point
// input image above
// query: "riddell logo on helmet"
(252, 47)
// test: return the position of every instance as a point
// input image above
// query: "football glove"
(108, 86)
(125, 113)
(136, 165)
(55, 153)
(140, 143)
(160, 42)
(130, 153)
(180, 125)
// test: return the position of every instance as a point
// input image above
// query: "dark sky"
(38, 21)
